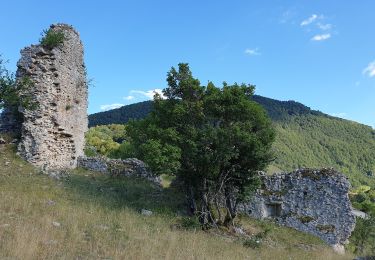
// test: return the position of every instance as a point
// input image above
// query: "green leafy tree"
(14, 93)
(214, 140)
(104, 140)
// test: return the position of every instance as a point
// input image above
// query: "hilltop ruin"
(52, 134)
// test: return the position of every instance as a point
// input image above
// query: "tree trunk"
(231, 210)
(191, 200)
(206, 214)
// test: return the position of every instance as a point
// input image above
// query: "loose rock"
(56, 224)
(146, 212)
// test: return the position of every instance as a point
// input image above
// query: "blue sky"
(320, 53)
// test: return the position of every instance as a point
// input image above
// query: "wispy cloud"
(317, 25)
(129, 97)
(252, 52)
(309, 20)
(111, 106)
(149, 93)
(321, 37)
(324, 27)
(370, 69)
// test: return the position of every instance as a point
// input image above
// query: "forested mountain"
(305, 138)
(121, 115)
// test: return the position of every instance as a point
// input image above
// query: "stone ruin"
(312, 201)
(52, 134)
(130, 167)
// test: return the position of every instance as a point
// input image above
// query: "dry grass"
(99, 219)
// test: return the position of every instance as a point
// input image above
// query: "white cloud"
(111, 106)
(325, 27)
(149, 93)
(370, 69)
(252, 52)
(129, 97)
(321, 37)
(309, 20)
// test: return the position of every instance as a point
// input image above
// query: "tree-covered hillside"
(121, 115)
(277, 110)
(305, 138)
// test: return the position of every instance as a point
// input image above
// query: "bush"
(363, 237)
(51, 38)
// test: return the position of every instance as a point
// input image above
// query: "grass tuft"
(51, 38)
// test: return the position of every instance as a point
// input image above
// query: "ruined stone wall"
(53, 133)
(130, 167)
(312, 201)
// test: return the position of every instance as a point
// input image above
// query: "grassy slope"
(305, 138)
(100, 219)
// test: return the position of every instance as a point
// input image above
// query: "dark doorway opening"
(273, 209)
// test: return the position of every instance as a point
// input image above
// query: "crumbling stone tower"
(52, 135)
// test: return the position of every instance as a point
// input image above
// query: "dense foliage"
(213, 139)
(13, 93)
(104, 140)
(363, 198)
(321, 141)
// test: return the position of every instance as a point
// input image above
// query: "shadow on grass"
(123, 192)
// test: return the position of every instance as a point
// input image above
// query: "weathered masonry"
(312, 201)
(52, 134)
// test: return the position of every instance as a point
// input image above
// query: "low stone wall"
(312, 201)
(130, 167)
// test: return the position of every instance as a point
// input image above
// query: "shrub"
(51, 38)
(363, 237)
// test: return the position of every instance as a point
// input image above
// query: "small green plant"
(306, 219)
(326, 228)
(256, 241)
(51, 38)
(252, 243)
(188, 223)
(68, 107)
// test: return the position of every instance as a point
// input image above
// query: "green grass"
(100, 218)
